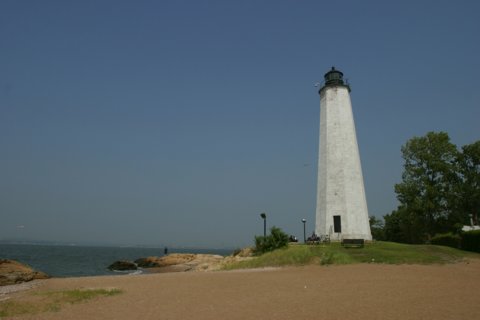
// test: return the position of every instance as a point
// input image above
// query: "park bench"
(314, 239)
(353, 243)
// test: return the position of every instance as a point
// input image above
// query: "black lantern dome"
(334, 78)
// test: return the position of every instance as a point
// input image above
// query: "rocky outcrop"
(122, 266)
(165, 261)
(207, 262)
(181, 262)
(243, 253)
(149, 262)
(239, 255)
(13, 272)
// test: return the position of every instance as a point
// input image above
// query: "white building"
(342, 209)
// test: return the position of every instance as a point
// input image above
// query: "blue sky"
(178, 122)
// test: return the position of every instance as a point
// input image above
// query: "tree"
(377, 228)
(392, 229)
(468, 195)
(427, 185)
(403, 225)
(440, 188)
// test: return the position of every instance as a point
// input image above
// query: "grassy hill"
(334, 253)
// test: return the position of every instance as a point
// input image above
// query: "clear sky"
(178, 122)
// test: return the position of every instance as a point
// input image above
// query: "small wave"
(136, 272)
(132, 272)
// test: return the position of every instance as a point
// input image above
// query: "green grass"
(334, 253)
(78, 295)
(51, 301)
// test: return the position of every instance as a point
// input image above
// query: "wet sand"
(362, 291)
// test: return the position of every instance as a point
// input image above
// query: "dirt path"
(367, 291)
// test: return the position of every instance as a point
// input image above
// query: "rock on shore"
(13, 272)
(183, 262)
(180, 262)
(122, 266)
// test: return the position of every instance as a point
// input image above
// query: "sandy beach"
(362, 291)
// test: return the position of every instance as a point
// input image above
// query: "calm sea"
(77, 261)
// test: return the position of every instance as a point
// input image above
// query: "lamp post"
(264, 217)
(304, 236)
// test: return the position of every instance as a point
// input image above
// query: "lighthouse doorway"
(337, 224)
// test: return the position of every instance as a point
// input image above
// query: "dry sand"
(362, 291)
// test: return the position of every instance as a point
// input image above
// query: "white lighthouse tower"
(341, 203)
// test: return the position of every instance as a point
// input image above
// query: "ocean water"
(78, 261)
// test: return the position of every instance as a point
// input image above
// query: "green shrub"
(471, 241)
(277, 239)
(446, 239)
